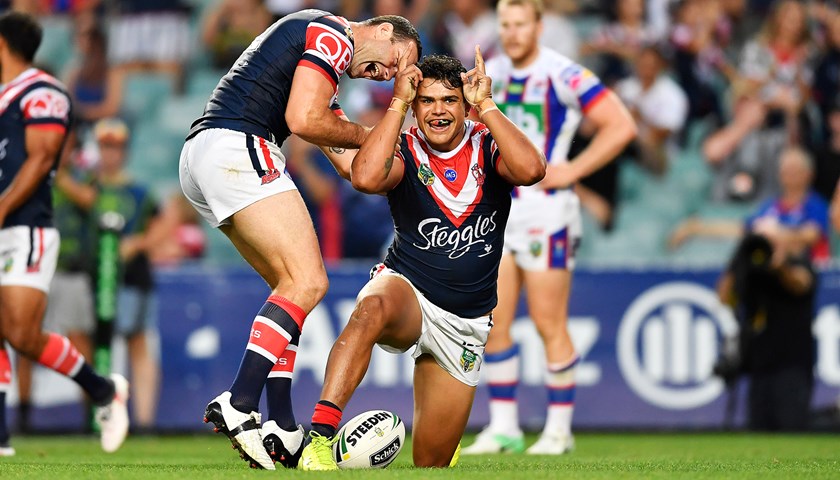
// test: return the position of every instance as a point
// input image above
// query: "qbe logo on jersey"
(668, 344)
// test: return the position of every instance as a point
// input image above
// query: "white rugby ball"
(369, 440)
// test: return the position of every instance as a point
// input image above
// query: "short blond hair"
(537, 4)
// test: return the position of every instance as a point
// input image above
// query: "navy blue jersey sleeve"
(329, 47)
(46, 106)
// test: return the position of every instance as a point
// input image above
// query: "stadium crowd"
(718, 87)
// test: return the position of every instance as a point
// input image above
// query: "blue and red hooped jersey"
(252, 97)
(32, 100)
(450, 210)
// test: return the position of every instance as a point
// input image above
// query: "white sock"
(503, 377)
(560, 383)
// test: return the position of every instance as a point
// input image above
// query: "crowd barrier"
(648, 340)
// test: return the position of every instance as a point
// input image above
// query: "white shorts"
(456, 343)
(543, 232)
(28, 256)
(70, 304)
(223, 171)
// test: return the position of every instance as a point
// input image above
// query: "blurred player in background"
(449, 190)
(546, 95)
(34, 121)
(234, 174)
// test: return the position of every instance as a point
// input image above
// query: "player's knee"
(371, 313)
(25, 341)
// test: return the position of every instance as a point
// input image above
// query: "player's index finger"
(479, 60)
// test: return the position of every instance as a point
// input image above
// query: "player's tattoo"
(337, 150)
(389, 162)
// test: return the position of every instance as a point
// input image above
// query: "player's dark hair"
(22, 33)
(444, 68)
(403, 29)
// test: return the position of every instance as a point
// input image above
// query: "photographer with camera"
(771, 285)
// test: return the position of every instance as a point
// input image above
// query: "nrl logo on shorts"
(270, 176)
(535, 248)
(425, 174)
(8, 266)
(468, 359)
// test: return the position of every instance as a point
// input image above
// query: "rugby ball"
(369, 440)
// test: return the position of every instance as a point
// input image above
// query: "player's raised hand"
(477, 85)
(407, 80)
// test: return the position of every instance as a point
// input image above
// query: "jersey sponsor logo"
(330, 45)
(453, 241)
(450, 174)
(425, 174)
(45, 102)
(528, 117)
(578, 78)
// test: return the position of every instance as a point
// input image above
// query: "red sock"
(5, 371)
(326, 418)
(285, 364)
(60, 355)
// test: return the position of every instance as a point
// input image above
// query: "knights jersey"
(546, 100)
(450, 210)
(253, 95)
(32, 100)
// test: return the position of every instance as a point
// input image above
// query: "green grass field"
(598, 455)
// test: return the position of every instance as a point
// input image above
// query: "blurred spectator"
(773, 298)
(740, 24)
(794, 222)
(559, 33)
(465, 24)
(775, 64)
(835, 209)
(151, 35)
(70, 308)
(698, 58)
(350, 224)
(113, 190)
(177, 236)
(659, 107)
(96, 87)
(768, 102)
(619, 41)
(827, 75)
(827, 155)
(230, 27)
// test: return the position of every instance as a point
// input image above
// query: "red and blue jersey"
(32, 100)
(547, 101)
(450, 210)
(252, 97)
(812, 210)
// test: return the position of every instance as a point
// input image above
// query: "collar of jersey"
(469, 125)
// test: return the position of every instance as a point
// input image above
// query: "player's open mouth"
(372, 70)
(440, 125)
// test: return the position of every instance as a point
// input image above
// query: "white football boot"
(7, 451)
(552, 444)
(283, 446)
(489, 442)
(243, 430)
(113, 418)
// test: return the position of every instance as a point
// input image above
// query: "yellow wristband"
(401, 105)
(481, 114)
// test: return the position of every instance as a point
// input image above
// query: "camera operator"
(771, 284)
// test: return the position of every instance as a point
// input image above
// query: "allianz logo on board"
(668, 343)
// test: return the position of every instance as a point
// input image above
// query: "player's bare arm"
(374, 169)
(42, 147)
(309, 116)
(615, 129)
(521, 162)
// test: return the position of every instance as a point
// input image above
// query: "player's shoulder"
(498, 65)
